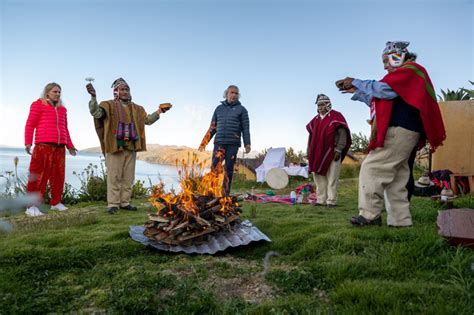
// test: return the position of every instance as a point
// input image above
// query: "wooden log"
(198, 220)
(212, 202)
(171, 225)
(186, 233)
(180, 226)
(232, 218)
(158, 218)
(210, 211)
(151, 231)
(188, 237)
(175, 232)
(219, 219)
(160, 237)
(149, 224)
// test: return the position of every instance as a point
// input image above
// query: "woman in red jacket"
(48, 121)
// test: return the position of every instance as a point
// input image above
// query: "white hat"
(423, 181)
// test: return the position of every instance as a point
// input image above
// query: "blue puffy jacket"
(232, 121)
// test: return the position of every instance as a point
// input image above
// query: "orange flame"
(208, 135)
(193, 183)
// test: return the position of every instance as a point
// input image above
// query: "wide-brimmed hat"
(423, 181)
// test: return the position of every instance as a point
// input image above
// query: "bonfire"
(200, 208)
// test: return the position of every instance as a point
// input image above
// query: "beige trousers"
(120, 177)
(326, 186)
(385, 172)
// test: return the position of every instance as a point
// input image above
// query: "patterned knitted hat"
(118, 83)
(323, 99)
(397, 47)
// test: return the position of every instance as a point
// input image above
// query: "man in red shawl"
(328, 143)
(404, 114)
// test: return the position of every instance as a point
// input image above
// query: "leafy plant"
(139, 189)
(291, 156)
(294, 157)
(470, 92)
(14, 185)
(459, 95)
(93, 183)
(360, 143)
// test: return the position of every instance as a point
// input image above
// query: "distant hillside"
(165, 154)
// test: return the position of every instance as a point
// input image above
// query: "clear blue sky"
(280, 53)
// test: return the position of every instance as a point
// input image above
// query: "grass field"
(84, 261)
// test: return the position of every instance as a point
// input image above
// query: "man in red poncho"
(328, 143)
(404, 115)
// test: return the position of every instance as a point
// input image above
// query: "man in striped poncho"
(404, 114)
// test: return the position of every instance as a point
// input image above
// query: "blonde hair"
(47, 89)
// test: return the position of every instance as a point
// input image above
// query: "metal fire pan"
(240, 234)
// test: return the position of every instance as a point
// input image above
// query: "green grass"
(84, 261)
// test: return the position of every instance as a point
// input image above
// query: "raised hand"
(345, 84)
(164, 107)
(90, 89)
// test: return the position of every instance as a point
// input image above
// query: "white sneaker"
(33, 211)
(59, 207)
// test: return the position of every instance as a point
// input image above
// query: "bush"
(139, 189)
(294, 157)
(93, 187)
(96, 189)
(93, 183)
(360, 143)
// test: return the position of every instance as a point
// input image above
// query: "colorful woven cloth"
(284, 199)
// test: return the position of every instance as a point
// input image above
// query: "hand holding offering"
(164, 107)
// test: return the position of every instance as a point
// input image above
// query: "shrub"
(139, 189)
(96, 189)
(93, 183)
(360, 143)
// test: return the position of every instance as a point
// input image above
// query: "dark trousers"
(230, 155)
(411, 181)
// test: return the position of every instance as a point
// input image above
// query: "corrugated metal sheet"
(240, 234)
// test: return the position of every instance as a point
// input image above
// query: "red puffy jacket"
(50, 123)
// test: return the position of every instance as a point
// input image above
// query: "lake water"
(143, 171)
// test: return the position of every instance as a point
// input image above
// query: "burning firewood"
(198, 210)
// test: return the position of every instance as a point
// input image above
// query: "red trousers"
(48, 163)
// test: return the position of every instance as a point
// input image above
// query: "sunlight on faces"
(386, 64)
(232, 95)
(54, 94)
(322, 108)
(124, 92)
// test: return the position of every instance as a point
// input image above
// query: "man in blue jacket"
(229, 122)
